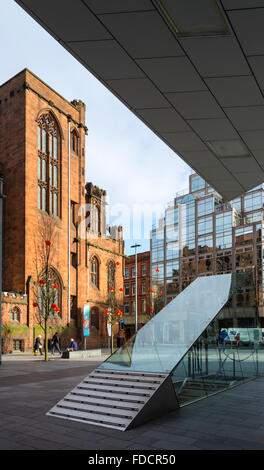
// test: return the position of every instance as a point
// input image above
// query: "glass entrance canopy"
(207, 339)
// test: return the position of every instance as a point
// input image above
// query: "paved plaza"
(29, 387)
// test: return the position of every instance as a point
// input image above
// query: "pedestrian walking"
(55, 344)
(38, 346)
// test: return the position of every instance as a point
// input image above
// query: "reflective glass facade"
(200, 235)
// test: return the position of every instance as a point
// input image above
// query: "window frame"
(49, 165)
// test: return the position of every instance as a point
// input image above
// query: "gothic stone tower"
(37, 127)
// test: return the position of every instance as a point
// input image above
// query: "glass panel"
(254, 216)
(228, 352)
(43, 199)
(205, 264)
(55, 203)
(50, 144)
(43, 140)
(173, 287)
(51, 175)
(39, 197)
(172, 233)
(223, 221)
(223, 240)
(205, 206)
(39, 168)
(253, 201)
(197, 183)
(172, 250)
(244, 236)
(236, 203)
(205, 244)
(55, 176)
(205, 225)
(44, 176)
(55, 147)
(166, 338)
(172, 268)
(39, 138)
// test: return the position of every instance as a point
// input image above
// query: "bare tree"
(45, 289)
(114, 315)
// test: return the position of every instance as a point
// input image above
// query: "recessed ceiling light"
(228, 148)
(194, 17)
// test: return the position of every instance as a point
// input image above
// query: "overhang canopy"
(191, 70)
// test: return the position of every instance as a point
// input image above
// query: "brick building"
(39, 130)
(143, 289)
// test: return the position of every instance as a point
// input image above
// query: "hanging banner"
(109, 323)
(109, 329)
(86, 318)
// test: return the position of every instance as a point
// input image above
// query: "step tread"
(104, 410)
(136, 378)
(87, 421)
(142, 392)
(104, 402)
(104, 394)
(92, 416)
(114, 383)
(143, 374)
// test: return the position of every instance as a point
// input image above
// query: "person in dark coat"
(55, 344)
(38, 346)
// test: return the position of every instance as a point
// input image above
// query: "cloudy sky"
(122, 155)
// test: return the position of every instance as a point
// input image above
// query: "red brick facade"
(143, 289)
(26, 102)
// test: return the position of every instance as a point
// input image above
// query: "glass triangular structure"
(205, 341)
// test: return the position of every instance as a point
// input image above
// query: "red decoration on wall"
(157, 270)
(121, 290)
(48, 243)
(160, 292)
(117, 263)
(42, 282)
(112, 288)
(151, 309)
(55, 286)
(35, 304)
(54, 306)
(151, 291)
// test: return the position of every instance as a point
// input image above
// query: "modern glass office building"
(201, 235)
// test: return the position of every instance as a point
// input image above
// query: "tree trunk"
(46, 341)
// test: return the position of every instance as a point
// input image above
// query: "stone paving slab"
(232, 420)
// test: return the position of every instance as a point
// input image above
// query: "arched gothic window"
(94, 220)
(15, 314)
(52, 291)
(95, 271)
(74, 141)
(48, 165)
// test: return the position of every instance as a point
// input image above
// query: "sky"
(140, 173)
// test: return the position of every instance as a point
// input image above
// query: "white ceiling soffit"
(193, 71)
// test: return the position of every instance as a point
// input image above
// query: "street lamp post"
(136, 323)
